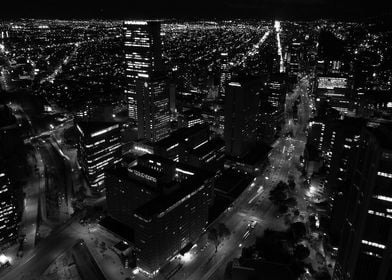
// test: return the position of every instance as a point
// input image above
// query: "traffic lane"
(240, 224)
(85, 262)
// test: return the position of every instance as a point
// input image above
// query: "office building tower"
(225, 73)
(143, 55)
(365, 250)
(342, 139)
(295, 56)
(153, 107)
(99, 148)
(191, 117)
(272, 107)
(172, 97)
(336, 91)
(8, 210)
(164, 202)
(241, 112)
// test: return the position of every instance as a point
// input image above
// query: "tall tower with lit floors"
(365, 250)
(143, 55)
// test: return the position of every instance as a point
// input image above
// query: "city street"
(253, 204)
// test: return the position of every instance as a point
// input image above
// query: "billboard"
(332, 82)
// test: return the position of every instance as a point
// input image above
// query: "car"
(253, 224)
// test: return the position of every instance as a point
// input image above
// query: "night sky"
(112, 9)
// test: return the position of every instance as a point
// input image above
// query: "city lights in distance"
(277, 25)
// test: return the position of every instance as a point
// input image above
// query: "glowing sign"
(136, 22)
(331, 82)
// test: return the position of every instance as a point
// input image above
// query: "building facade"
(8, 211)
(153, 107)
(365, 250)
(99, 148)
(143, 55)
(164, 202)
(242, 104)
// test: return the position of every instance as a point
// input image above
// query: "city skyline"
(221, 9)
(201, 141)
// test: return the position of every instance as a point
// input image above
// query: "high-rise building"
(164, 202)
(241, 111)
(191, 117)
(143, 55)
(272, 107)
(342, 139)
(295, 56)
(172, 97)
(8, 210)
(99, 148)
(336, 91)
(153, 107)
(225, 72)
(365, 250)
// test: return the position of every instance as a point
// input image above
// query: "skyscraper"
(365, 250)
(8, 211)
(99, 147)
(153, 106)
(164, 202)
(272, 107)
(241, 109)
(143, 55)
(225, 72)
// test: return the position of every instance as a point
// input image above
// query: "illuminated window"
(373, 244)
(383, 174)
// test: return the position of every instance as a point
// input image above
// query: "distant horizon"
(304, 10)
(387, 16)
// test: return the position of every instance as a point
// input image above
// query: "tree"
(247, 252)
(279, 193)
(277, 196)
(297, 230)
(283, 208)
(223, 231)
(301, 252)
(291, 202)
(323, 275)
(214, 238)
(292, 185)
(271, 246)
(298, 268)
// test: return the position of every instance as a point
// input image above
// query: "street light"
(4, 259)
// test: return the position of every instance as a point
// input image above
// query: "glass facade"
(8, 211)
(143, 55)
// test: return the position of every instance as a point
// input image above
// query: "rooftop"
(164, 202)
(89, 128)
(180, 135)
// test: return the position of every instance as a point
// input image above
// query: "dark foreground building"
(242, 102)
(8, 210)
(366, 241)
(164, 202)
